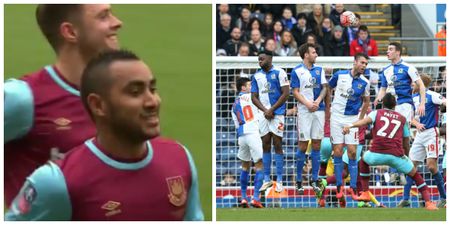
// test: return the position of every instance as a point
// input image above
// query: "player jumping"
(309, 89)
(426, 142)
(270, 90)
(250, 144)
(351, 91)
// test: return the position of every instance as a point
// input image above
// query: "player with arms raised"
(309, 88)
(390, 145)
(250, 144)
(270, 91)
(426, 142)
(396, 79)
(351, 94)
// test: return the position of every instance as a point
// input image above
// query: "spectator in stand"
(287, 19)
(233, 44)
(301, 29)
(338, 45)
(267, 27)
(254, 24)
(364, 43)
(271, 46)
(276, 33)
(223, 31)
(222, 9)
(228, 179)
(276, 9)
(335, 14)
(256, 42)
(325, 31)
(436, 86)
(244, 19)
(315, 18)
(221, 52)
(287, 46)
(441, 44)
(244, 49)
(443, 79)
(351, 32)
(311, 38)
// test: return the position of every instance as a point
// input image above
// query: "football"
(348, 18)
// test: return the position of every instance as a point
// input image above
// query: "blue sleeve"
(383, 80)
(194, 209)
(333, 80)
(18, 111)
(254, 85)
(44, 196)
(406, 132)
(373, 116)
(295, 82)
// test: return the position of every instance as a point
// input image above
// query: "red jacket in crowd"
(357, 46)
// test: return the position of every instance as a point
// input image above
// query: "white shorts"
(310, 125)
(406, 110)
(425, 145)
(337, 123)
(275, 125)
(250, 147)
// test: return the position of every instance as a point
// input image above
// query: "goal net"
(385, 183)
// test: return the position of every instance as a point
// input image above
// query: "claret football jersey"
(89, 184)
(43, 118)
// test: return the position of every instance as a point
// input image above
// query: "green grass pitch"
(330, 214)
(175, 40)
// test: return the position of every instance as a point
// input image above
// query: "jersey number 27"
(386, 124)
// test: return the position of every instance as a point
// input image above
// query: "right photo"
(330, 112)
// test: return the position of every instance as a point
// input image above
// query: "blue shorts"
(358, 154)
(402, 164)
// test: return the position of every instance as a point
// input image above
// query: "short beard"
(123, 129)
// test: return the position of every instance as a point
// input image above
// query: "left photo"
(105, 112)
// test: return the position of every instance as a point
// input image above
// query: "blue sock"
(353, 169)
(407, 187)
(315, 158)
(338, 167)
(244, 183)
(300, 163)
(279, 163)
(440, 184)
(258, 183)
(267, 161)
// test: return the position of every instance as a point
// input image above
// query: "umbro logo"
(62, 123)
(112, 208)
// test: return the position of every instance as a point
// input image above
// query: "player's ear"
(68, 32)
(96, 105)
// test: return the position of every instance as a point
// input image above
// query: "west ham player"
(250, 144)
(270, 90)
(351, 91)
(43, 114)
(426, 142)
(390, 145)
(309, 87)
(120, 174)
(397, 78)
